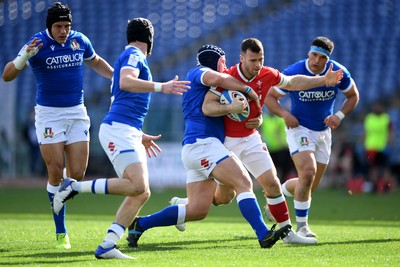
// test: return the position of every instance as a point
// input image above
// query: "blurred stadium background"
(366, 35)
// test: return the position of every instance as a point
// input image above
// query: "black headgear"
(140, 29)
(56, 13)
(208, 56)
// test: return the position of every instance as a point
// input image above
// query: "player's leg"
(306, 167)
(232, 173)
(51, 126)
(198, 184)
(200, 195)
(275, 199)
(77, 156)
(53, 156)
(255, 157)
(77, 144)
(258, 162)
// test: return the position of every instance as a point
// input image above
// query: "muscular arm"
(303, 82)
(333, 121)
(99, 65)
(213, 108)
(15, 67)
(216, 79)
(10, 72)
(272, 102)
(129, 81)
(352, 98)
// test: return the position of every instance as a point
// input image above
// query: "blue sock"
(59, 220)
(251, 212)
(165, 217)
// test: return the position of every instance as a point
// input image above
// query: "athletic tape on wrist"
(157, 87)
(340, 115)
(19, 63)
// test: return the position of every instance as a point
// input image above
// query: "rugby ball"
(227, 97)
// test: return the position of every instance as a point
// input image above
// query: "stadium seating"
(366, 34)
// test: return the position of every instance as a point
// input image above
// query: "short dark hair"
(253, 44)
(324, 43)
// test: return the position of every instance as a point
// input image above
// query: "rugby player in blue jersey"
(205, 158)
(122, 138)
(309, 124)
(56, 56)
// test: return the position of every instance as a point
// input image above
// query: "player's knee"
(224, 200)
(139, 190)
(241, 182)
(196, 211)
(271, 186)
(306, 180)
(55, 172)
(144, 196)
(307, 176)
(221, 201)
(200, 215)
(77, 174)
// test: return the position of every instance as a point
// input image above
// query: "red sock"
(280, 211)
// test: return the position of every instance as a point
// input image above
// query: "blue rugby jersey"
(197, 125)
(58, 69)
(128, 107)
(312, 106)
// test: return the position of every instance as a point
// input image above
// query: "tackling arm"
(213, 79)
(213, 108)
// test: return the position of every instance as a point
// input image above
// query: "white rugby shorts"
(303, 139)
(200, 158)
(123, 145)
(252, 152)
(56, 125)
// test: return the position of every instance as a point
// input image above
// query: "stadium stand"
(366, 35)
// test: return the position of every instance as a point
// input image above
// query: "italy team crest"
(304, 141)
(48, 132)
(74, 45)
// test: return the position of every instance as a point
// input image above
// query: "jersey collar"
(242, 75)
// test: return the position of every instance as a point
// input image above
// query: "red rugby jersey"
(261, 84)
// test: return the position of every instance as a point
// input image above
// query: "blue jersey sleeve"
(346, 81)
(89, 50)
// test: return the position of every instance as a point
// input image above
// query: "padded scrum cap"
(140, 29)
(208, 56)
(56, 13)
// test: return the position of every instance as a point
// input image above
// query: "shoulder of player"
(267, 73)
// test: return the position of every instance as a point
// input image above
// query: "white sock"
(114, 234)
(285, 191)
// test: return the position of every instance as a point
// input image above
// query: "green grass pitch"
(353, 230)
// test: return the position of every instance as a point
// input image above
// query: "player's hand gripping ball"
(227, 97)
